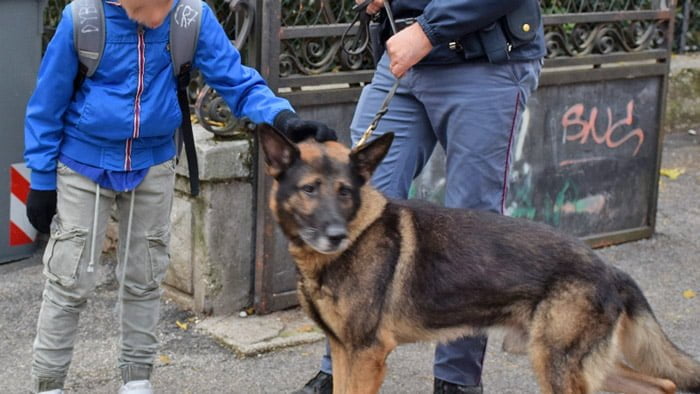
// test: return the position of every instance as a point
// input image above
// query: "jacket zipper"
(137, 100)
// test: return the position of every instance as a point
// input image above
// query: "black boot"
(322, 383)
(443, 387)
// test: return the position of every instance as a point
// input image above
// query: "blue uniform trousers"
(474, 110)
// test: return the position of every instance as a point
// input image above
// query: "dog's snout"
(336, 233)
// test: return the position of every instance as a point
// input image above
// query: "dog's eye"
(344, 191)
(308, 189)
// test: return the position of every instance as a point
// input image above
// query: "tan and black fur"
(375, 273)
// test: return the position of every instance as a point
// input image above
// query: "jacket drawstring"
(95, 220)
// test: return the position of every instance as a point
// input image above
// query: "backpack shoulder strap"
(88, 34)
(185, 24)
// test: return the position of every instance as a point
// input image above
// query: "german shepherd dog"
(375, 273)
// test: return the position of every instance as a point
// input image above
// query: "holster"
(495, 43)
(517, 28)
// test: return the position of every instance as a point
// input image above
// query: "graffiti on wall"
(579, 125)
(583, 137)
(583, 158)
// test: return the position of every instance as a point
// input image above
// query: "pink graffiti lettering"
(613, 137)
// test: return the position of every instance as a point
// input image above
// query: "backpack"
(185, 23)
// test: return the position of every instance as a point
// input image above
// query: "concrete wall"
(683, 100)
(212, 240)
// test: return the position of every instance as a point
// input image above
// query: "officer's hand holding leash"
(406, 48)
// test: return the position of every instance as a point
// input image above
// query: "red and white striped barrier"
(21, 231)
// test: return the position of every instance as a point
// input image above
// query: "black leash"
(361, 39)
(360, 45)
(378, 116)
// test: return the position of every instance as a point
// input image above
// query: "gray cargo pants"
(70, 281)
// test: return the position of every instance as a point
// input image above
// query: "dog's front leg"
(339, 358)
(367, 368)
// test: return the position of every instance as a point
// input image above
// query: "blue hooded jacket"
(124, 117)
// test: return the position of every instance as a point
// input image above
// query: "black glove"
(298, 129)
(41, 206)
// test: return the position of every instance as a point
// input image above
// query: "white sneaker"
(56, 391)
(137, 387)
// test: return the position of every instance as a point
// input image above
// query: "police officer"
(467, 68)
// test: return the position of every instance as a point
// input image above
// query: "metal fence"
(311, 57)
(688, 27)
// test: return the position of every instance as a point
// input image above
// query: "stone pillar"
(212, 236)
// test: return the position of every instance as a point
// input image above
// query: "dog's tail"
(647, 348)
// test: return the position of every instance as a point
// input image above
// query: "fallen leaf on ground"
(165, 359)
(306, 328)
(672, 173)
(688, 294)
(183, 326)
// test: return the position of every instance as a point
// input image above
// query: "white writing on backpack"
(185, 15)
(88, 19)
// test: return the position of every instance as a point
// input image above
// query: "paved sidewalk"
(200, 360)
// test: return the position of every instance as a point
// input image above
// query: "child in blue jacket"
(112, 140)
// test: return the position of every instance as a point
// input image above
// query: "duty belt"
(403, 23)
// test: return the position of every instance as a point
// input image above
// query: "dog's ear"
(280, 152)
(365, 158)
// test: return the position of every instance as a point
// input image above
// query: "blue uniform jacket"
(124, 117)
(459, 20)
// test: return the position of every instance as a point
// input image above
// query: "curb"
(254, 335)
